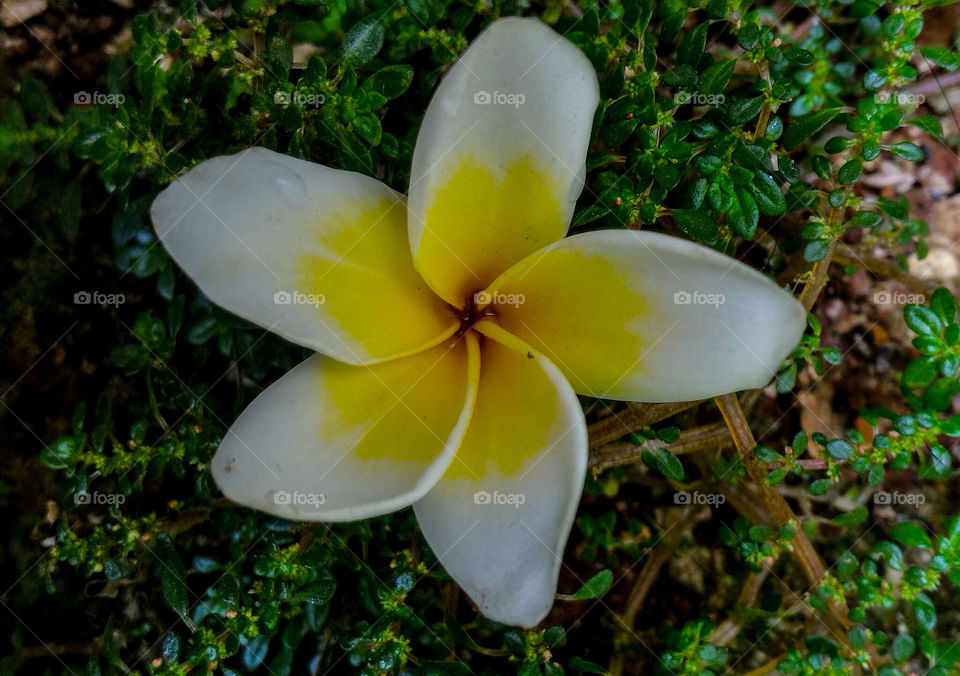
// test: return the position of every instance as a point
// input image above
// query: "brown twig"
(632, 418)
(658, 556)
(775, 503)
(848, 255)
(707, 437)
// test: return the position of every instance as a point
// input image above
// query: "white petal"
(499, 518)
(317, 255)
(647, 317)
(500, 158)
(335, 442)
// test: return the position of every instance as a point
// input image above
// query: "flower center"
(473, 311)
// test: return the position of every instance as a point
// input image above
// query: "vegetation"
(714, 537)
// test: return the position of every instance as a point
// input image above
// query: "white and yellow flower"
(456, 328)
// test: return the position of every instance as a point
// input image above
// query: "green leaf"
(942, 56)
(806, 126)
(865, 219)
(816, 250)
(173, 583)
(767, 193)
(697, 224)
(170, 647)
(854, 517)
(680, 77)
(911, 535)
(743, 216)
(744, 110)
(590, 214)
(819, 486)
(840, 449)
(873, 80)
(944, 305)
(669, 464)
(850, 171)
(907, 151)
(922, 320)
(902, 647)
(930, 124)
(925, 611)
(580, 664)
(748, 36)
(715, 78)
(391, 81)
(693, 44)
(920, 373)
(595, 586)
(362, 42)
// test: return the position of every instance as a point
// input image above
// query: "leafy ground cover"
(809, 528)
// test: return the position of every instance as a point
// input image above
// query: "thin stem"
(712, 436)
(775, 503)
(631, 419)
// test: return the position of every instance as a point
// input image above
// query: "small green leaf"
(743, 216)
(362, 42)
(850, 171)
(744, 110)
(902, 647)
(806, 126)
(697, 224)
(854, 517)
(942, 56)
(715, 78)
(907, 151)
(767, 193)
(173, 583)
(668, 464)
(595, 586)
(840, 449)
(928, 123)
(816, 250)
(922, 320)
(391, 81)
(911, 535)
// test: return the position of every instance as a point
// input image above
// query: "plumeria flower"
(455, 328)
